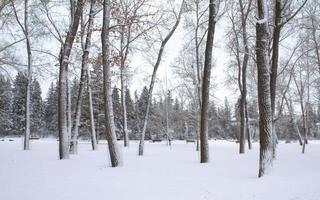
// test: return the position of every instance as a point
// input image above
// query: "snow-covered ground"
(162, 174)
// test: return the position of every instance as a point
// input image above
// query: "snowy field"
(162, 174)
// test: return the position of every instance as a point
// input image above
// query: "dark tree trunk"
(248, 129)
(274, 67)
(62, 98)
(204, 146)
(107, 91)
(84, 69)
(243, 102)
(265, 113)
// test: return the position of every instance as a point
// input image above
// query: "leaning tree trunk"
(62, 97)
(295, 125)
(26, 145)
(265, 113)
(107, 92)
(204, 146)
(84, 69)
(154, 73)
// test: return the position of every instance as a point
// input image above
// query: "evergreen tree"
(19, 103)
(140, 109)
(37, 110)
(117, 110)
(5, 105)
(130, 110)
(51, 110)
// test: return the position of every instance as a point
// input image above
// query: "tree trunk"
(62, 98)
(124, 108)
(265, 113)
(198, 75)
(204, 146)
(69, 114)
(243, 124)
(295, 125)
(84, 69)
(92, 126)
(305, 127)
(274, 67)
(154, 73)
(248, 129)
(26, 144)
(123, 75)
(107, 91)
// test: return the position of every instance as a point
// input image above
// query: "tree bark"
(154, 73)
(84, 71)
(265, 113)
(62, 97)
(243, 127)
(274, 66)
(295, 125)
(124, 107)
(94, 142)
(248, 129)
(204, 146)
(69, 114)
(107, 91)
(26, 144)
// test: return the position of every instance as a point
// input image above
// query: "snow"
(262, 21)
(161, 174)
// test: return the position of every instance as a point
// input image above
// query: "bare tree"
(109, 118)
(84, 72)
(133, 23)
(25, 29)
(265, 115)
(154, 73)
(239, 47)
(280, 10)
(63, 72)
(204, 146)
(94, 141)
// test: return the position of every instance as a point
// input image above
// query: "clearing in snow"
(162, 174)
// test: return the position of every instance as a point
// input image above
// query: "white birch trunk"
(92, 126)
(62, 97)
(26, 145)
(84, 71)
(69, 119)
(124, 106)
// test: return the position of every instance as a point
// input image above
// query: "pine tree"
(142, 104)
(117, 110)
(130, 110)
(5, 105)
(37, 112)
(51, 111)
(19, 102)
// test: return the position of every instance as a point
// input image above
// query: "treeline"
(224, 120)
(44, 112)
